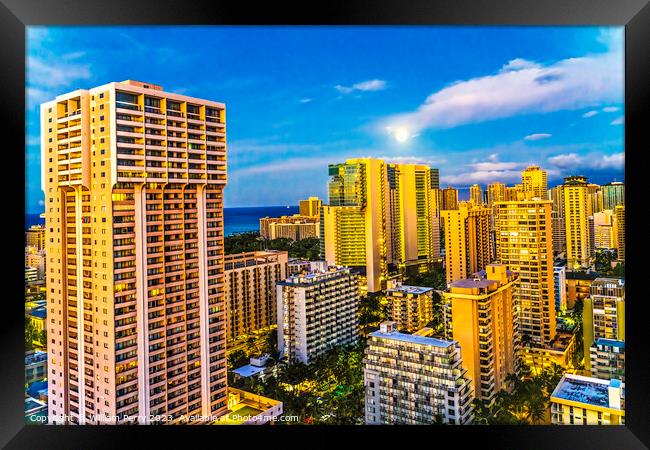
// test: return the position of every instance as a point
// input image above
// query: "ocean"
(237, 220)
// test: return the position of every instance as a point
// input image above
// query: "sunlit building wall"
(250, 290)
(576, 221)
(533, 180)
(525, 245)
(133, 179)
(484, 322)
(468, 246)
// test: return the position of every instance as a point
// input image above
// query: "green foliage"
(434, 278)
(327, 391)
(32, 335)
(527, 403)
(237, 359)
(251, 241)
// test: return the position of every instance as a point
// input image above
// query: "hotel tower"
(133, 179)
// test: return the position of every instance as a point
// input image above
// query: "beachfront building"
(294, 227)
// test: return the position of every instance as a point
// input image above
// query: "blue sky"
(480, 103)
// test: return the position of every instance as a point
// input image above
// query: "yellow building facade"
(468, 247)
(576, 222)
(484, 323)
(533, 181)
(525, 244)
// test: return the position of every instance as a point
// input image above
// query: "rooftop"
(39, 312)
(591, 391)
(410, 289)
(412, 338)
(474, 283)
(36, 357)
(610, 343)
(248, 370)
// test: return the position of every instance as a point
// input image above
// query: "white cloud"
(363, 86)
(589, 161)
(410, 160)
(589, 114)
(610, 109)
(521, 87)
(518, 64)
(482, 177)
(618, 121)
(305, 100)
(537, 136)
(285, 166)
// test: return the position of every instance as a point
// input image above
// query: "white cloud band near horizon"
(521, 87)
(363, 86)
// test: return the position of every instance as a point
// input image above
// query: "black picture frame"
(15, 15)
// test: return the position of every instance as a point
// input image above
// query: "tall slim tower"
(525, 245)
(620, 232)
(449, 198)
(468, 246)
(133, 178)
(412, 214)
(533, 180)
(496, 193)
(354, 223)
(476, 195)
(576, 221)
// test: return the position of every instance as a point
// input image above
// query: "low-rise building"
(415, 380)
(559, 351)
(608, 359)
(579, 400)
(257, 368)
(246, 408)
(35, 366)
(410, 306)
(317, 312)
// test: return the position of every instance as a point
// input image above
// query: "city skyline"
(566, 122)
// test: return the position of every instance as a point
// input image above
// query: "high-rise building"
(449, 199)
(475, 195)
(578, 400)
(592, 198)
(468, 246)
(559, 233)
(484, 323)
(294, 227)
(435, 178)
(35, 237)
(133, 178)
(514, 193)
(604, 229)
(379, 215)
(310, 207)
(496, 193)
(415, 380)
(533, 180)
(607, 359)
(353, 225)
(316, 312)
(411, 231)
(525, 245)
(603, 313)
(613, 195)
(250, 279)
(620, 232)
(556, 195)
(559, 284)
(576, 222)
(411, 307)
